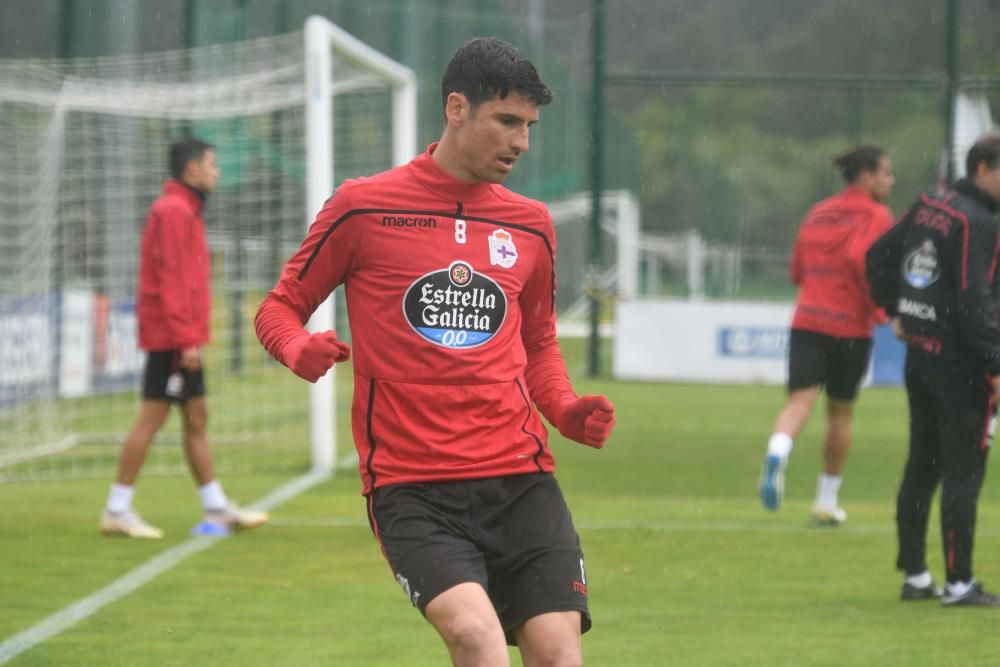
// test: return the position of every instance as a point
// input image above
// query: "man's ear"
(456, 109)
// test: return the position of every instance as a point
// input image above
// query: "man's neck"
(198, 191)
(445, 155)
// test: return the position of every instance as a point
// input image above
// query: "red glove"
(311, 356)
(587, 419)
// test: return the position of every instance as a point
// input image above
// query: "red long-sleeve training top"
(175, 272)
(828, 265)
(450, 293)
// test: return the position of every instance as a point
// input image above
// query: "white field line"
(81, 609)
(68, 442)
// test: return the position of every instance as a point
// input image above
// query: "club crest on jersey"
(455, 307)
(920, 267)
(502, 250)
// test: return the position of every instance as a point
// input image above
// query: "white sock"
(120, 498)
(922, 580)
(213, 498)
(827, 489)
(960, 587)
(780, 445)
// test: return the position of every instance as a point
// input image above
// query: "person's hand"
(588, 420)
(897, 328)
(190, 358)
(311, 356)
(995, 381)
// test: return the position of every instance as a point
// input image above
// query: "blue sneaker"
(772, 481)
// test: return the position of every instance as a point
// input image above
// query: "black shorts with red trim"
(165, 380)
(839, 364)
(512, 535)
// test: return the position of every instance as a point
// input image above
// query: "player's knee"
(196, 421)
(556, 655)
(469, 633)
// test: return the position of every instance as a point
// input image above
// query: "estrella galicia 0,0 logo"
(455, 307)
(920, 267)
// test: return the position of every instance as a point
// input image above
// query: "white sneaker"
(828, 516)
(129, 524)
(235, 517)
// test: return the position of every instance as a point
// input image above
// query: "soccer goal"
(85, 142)
(579, 278)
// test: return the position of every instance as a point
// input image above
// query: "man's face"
(203, 173)
(988, 180)
(881, 180)
(492, 136)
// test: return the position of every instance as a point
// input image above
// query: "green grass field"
(685, 567)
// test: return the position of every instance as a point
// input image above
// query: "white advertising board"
(76, 358)
(696, 341)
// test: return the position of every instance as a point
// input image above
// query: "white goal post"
(322, 40)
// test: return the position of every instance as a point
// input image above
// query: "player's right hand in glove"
(310, 356)
(587, 419)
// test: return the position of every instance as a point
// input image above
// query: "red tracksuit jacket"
(451, 297)
(828, 265)
(175, 272)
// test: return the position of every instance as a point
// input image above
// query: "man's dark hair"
(183, 151)
(858, 159)
(485, 67)
(986, 149)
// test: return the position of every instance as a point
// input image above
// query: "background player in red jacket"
(831, 336)
(450, 286)
(173, 308)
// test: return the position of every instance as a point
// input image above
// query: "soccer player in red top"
(450, 286)
(173, 310)
(831, 336)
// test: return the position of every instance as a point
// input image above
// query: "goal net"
(86, 143)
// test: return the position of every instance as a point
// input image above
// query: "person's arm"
(173, 264)
(882, 261)
(877, 225)
(796, 267)
(585, 419)
(322, 263)
(974, 264)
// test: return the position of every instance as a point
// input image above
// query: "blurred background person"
(935, 274)
(831, 337)
(174, 309)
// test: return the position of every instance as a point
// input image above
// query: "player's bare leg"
(197, 452)
(464, 617)
(836, 445)
(219, 510)
(152, 415)
(838, 435)
(789, 423)
(793, 417)
(551, 640)
(118, 517)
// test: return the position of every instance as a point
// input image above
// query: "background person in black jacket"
(935, 273)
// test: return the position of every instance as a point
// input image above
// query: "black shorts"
(512, 535)
(837, 363)
(165, 380)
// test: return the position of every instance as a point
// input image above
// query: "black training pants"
(950, 409)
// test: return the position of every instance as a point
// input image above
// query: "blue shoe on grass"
(772, 481)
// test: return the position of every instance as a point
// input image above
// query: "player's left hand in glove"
(587, 419)
(311, 356)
